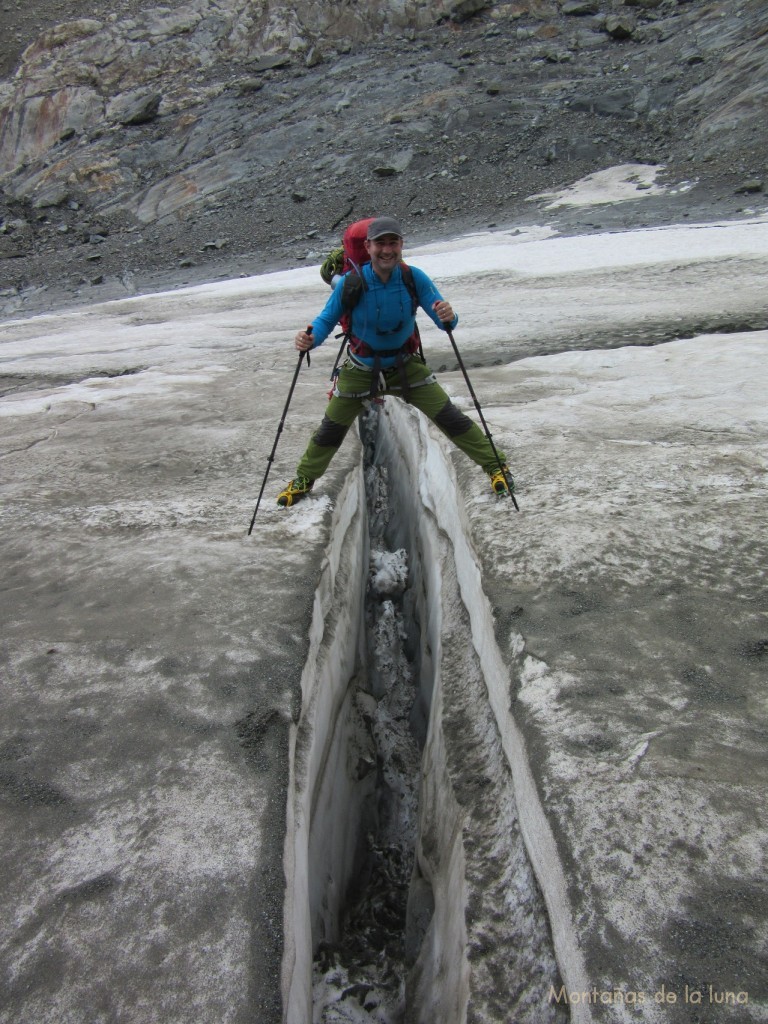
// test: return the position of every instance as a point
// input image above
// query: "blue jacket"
(382, 318)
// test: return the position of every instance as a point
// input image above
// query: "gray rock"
(165, 23)
(462, 10)
(579, 8)
(751, 186)
(272, 62)
(134, 108)
(692, 56)
(51, 194)
(618, 103)
(16, 239)
(12, 247)
(620, 26)
(35, 123)
(401, 161)
(16, 225)
(244, 86)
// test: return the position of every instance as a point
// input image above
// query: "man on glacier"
(384, 355)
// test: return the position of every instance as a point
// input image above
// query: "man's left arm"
(432, 302)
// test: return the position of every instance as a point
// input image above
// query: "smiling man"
(384, 355)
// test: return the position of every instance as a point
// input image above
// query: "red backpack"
(350, 255)
(353, 244)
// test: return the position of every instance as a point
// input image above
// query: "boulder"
(51, 194)
(620, 26)
(462, 10)
(750, 187)
(579, 8)
(136, 107)
(271, 62)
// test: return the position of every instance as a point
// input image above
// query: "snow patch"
(614, 185)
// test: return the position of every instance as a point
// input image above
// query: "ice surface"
(153, 655)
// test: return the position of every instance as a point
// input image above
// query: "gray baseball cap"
(384, 226)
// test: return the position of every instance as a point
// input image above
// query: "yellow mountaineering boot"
(501, 481)
(295, 490)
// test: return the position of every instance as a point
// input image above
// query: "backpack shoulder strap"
(352, 290)
(410, 284)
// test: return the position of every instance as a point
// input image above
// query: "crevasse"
(487, 929)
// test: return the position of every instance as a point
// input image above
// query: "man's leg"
(432, 400)
(341, 412)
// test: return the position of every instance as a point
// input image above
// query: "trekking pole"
(449, 332)
(271, 458)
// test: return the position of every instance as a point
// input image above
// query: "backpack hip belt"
(358, 350)
(379, 380)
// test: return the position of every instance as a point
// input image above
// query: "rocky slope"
(142, 144)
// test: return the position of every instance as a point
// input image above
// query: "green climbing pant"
(353, 390)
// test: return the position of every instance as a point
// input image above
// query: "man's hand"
(303, 340)
(444, 311)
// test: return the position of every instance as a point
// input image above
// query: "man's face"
(385, 252)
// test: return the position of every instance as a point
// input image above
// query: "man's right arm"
(323, 324)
